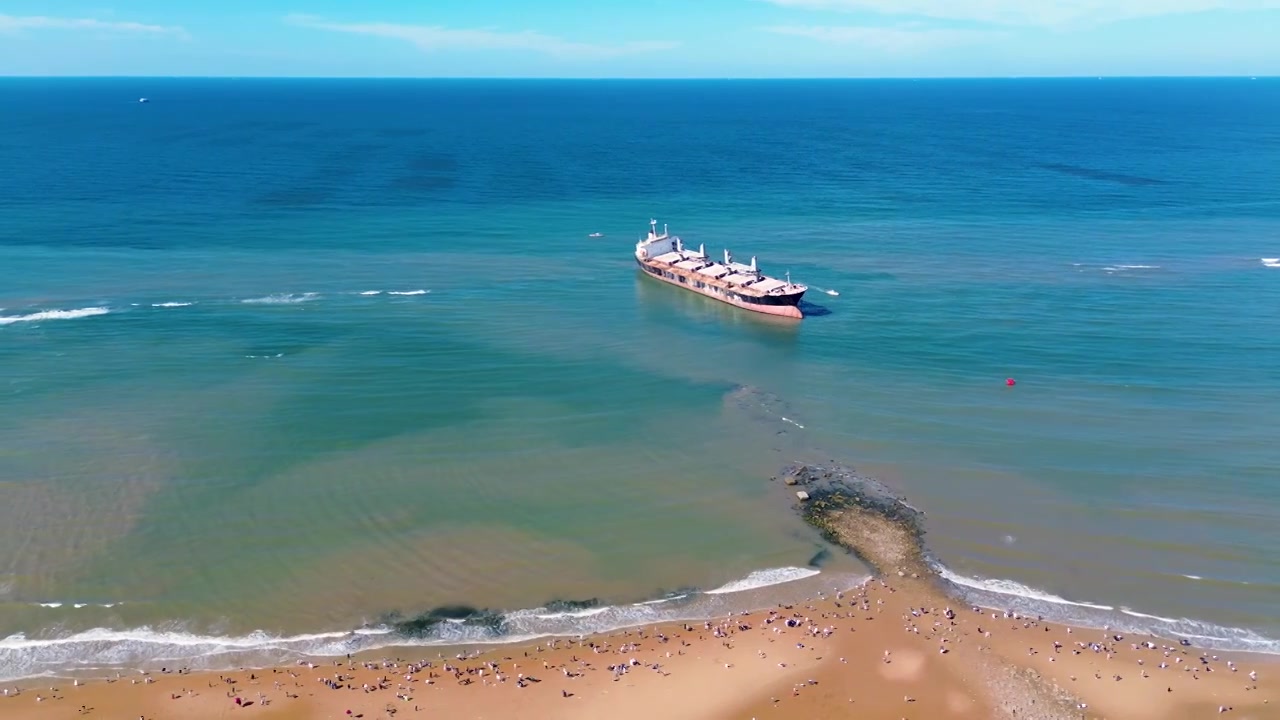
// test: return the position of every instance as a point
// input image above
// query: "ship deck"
(733, 276)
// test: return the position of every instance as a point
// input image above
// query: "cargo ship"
(664, 257)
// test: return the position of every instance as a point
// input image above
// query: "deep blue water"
(204, 419)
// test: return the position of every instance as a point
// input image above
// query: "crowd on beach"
(867, 647)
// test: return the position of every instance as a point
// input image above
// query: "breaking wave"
(1271, 262)
(1030, 601)
(283, 299)
(408, 292)
(100, 649)
(54, 315)
(171, 304)
(764, 578)
(1009, 587)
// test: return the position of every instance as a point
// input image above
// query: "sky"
(639, 38)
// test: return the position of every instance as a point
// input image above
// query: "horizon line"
(700, 78)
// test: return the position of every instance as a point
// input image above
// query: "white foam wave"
(659, 601)
(408, 292)
(764, 578)
(1193, 577)
(1271, 262)
(1016, 596)
(1115, 268)
(171, 304)
(54, 315)
(283, 299)
(793, 422)
(1135, 613)
(257, 357)
(371, 292)
(584, 613)
(78, 605)
(1010, 587)
(23, 656)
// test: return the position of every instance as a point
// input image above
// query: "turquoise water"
(292, 356)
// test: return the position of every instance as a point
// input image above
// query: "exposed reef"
(427, 623)
(862, 515)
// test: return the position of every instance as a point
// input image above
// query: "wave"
(1271, 262)
(1031, 601)
(283, 299)
(22, 656)
(171, 304)
(371, 292)
(1009, 587)
(1111, 269)
(408, 292)
(54, 315)
(764, 578)
(78, 605)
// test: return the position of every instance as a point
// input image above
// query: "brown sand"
(875, 652)
(892, 649)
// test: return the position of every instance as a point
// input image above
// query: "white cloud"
(885, 39)
(1044, 13)
(13, 23)
(435, 37)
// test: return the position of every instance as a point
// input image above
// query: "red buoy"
(1010, 382)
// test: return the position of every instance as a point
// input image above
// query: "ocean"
(284, 363)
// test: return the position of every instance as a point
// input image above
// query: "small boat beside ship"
(664, 257)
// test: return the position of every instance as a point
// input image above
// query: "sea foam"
(764, 578)
(1031, 601)
(282, 299)
(54, 315)
(22, 655)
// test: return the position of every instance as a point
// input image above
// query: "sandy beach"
(895, 647)
(881, 651)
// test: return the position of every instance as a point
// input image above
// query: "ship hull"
(779, 305)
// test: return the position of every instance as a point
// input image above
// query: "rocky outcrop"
(862, 515)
